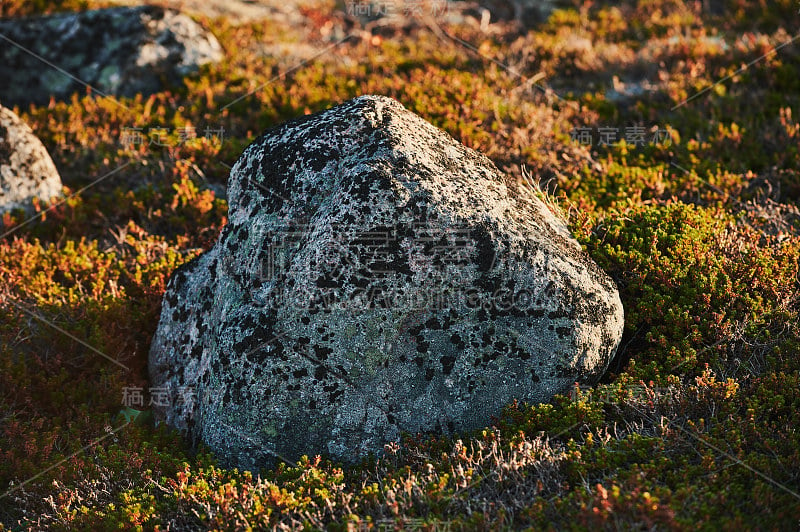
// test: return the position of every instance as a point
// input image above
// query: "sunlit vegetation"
(694, 426)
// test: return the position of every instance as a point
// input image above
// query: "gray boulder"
(375, 276)
(118, 51)
(26, 169)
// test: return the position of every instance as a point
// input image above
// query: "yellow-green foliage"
(694, 426)
(700, 289)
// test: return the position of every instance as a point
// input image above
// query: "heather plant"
(695, 425)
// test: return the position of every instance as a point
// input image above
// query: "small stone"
(26, 169)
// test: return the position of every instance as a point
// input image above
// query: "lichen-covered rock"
(26, 169)
(118, 51)
(375, 276)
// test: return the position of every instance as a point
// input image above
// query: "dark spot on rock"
(448, 362)
(433, 324)
(563, 332)
(322, 352)
(484, 248)
(335, 395)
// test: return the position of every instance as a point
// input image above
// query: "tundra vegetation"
(694, 426)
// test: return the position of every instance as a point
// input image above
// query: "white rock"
(26, 169)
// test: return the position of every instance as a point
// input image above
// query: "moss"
(694, 427)
(696, 288)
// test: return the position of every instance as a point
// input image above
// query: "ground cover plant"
(665, 131)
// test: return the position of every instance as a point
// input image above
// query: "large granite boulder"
(375, 276)
(26, 169)
(118, 51)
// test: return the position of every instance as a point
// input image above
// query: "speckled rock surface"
(26, 169)
(375, 276)
(118, 51)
